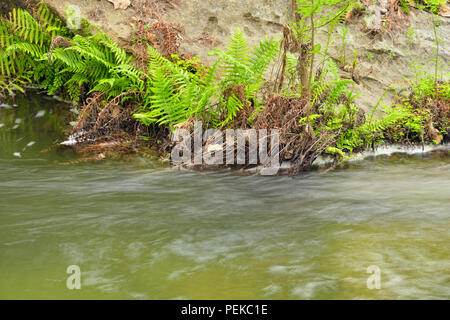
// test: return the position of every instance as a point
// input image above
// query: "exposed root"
(298, 145)
(283, 113)
(108, 128)
(241, 119)
(164, 37)
(396, 18)
(161, 35)
(150, 28)
(147, 10)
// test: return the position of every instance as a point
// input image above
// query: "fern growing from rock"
(175, 95)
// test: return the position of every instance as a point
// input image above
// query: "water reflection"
(36, 124)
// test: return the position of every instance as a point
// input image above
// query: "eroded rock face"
(218, 19)
(383, 60)
(121, 4)
(102, 13)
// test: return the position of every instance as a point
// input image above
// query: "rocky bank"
(384, 58)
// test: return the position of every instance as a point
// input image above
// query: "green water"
(139, 231)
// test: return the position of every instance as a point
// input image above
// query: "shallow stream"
(138, 230)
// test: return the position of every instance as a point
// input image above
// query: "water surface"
(139, 231)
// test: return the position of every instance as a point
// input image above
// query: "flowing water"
(141, 231)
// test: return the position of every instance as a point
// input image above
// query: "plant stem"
(312, 52)
(436, 62)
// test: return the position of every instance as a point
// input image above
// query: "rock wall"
(383, 61)
(7, 5)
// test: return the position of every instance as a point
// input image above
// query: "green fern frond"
(119, 54)
(133, 74)
(233, 106)
(34, 50)
(263, 55)
(155, 59)
(70, 58)
(336, 90)
(237, 47)
(85, 48)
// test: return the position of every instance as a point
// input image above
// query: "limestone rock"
(121, 4)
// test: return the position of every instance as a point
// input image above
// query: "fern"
(99, 63)
(174, 94)
(263, 55)
(24, 39)
(372, 130)
(239, 66)
(95, 61)
(233, 106)
(26, 48)
(169, 93)
(332, 91)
